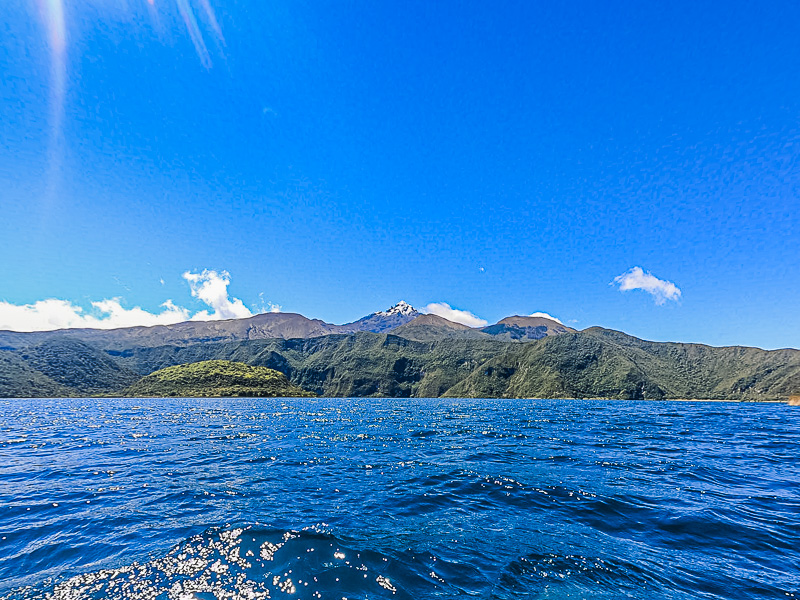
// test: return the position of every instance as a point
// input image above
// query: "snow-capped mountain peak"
(401, 308)
(384, 320)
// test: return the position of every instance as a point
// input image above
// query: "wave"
(248, 562)
(254, 563)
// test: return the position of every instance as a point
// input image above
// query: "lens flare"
(53, 17)
(194, 32)
(211, 17)
(52, 12)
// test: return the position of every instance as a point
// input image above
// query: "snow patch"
(401, 308)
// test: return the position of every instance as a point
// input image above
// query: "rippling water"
(387, 498)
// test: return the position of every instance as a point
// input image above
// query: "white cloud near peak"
(636, 278)
(544, 315)
(211, 287)
(444, 310)
(266, 307)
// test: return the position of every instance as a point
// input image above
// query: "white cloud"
(544, 315)
(636, 279)
(444, 310)
(212, 288)
(46, 315)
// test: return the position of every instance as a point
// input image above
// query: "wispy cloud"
(544, 315)
(637, 279)
(444, 310)
(263, 306)
(211, 287)
(208, 286)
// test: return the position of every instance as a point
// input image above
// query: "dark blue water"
(328, 498)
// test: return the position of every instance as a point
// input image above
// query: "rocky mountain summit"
(385, 320)
(401, 308)
(526, 328)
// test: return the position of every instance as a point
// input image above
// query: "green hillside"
(361, 364)
(61, 367)
(596, 363)
(20, 380)
(78, 366)
(214, 378)
(600, 363)
(438, 361)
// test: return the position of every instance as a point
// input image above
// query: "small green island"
(214, 379)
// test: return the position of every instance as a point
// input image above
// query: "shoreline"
(788, 401)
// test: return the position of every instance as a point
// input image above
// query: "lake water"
(388, 498)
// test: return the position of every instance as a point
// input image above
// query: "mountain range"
(400, 352)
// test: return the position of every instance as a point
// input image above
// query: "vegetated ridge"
(419, 355)
(214, 378)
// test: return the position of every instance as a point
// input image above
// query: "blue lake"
(387, 498)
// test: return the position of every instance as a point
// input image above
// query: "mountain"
(378, 322)
(61, 367)
(426, 328)
(19, 380)
(214, 378)
(596, 363)
(410, 355)
(359, 364)
(267, 325)
(78, 366)
(262, 326)
(526, 328)
(601, 363)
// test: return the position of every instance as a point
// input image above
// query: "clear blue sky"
(335, 158)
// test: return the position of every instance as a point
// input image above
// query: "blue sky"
(335, 158)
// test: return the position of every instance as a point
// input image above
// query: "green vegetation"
(214, 378)
(427, 360)
(600, 363)
(596, 363)
(78, 366)
(60, 367)
(20, 380)
(362, 364)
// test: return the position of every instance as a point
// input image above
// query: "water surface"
(388, 498)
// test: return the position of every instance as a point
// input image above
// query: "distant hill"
(526, 328)
(601, 363)
(20, 380)
(418, 355)
(78, 366)
(426, 328)
(262, 326)
(214, 378)
(61, 367)
(596, 363)
(360, 364)
(268, 325)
